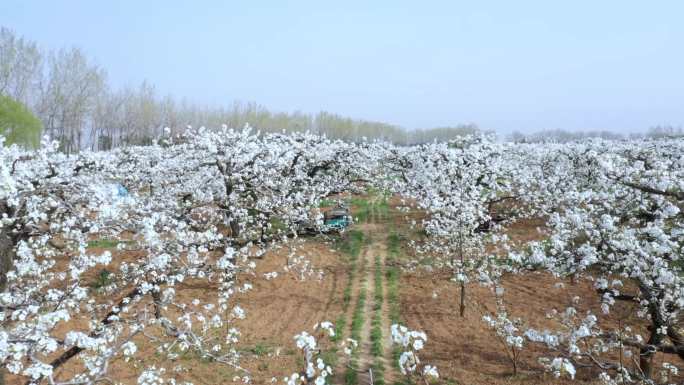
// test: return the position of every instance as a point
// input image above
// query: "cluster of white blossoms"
(411, 342)
(506, 328)
(315, 369)
(560, 365)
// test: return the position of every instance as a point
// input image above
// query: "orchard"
(97, 248)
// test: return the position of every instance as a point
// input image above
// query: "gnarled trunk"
(234, 228)
(646, 353)
(6, 259)
(656, 338)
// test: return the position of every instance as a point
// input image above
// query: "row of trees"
(199, 208)
(564, 136)
(70, 95)
(202, 208)
(614, 219)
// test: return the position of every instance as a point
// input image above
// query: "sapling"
(411, 342)
(315, 370)
(507, 330)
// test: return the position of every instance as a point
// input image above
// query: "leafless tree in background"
(20, 65)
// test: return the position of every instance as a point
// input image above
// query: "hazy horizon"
(525, 66)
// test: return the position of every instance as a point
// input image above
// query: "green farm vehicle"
(334, 220)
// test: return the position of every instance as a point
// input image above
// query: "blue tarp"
(121, 190)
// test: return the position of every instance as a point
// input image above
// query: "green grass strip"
(376, 325)
(351, 375)
(351, 245)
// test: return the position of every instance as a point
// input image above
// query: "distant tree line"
(74, 104)
(660, 132)
(564, 136)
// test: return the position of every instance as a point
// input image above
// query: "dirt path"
(366, 359)
(365, 283)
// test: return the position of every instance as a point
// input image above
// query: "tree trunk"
(156, 297)
(462, 258)
(234, 228)
(656, 338)
(515, 363)
(6, 258)
(646, 355)
(462, 307)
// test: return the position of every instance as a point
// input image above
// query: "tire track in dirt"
(333, 289)
(385, 323)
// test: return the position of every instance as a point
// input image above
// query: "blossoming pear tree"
(462, 186)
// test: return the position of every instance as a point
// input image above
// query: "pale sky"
(504, 65)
